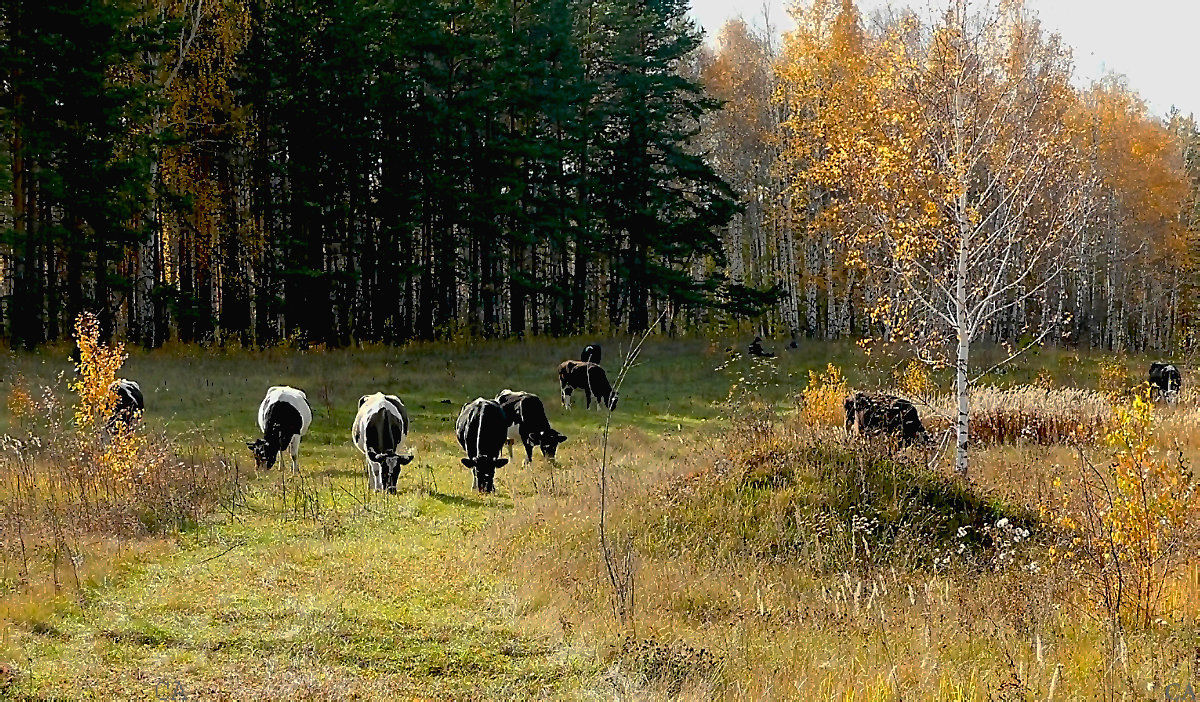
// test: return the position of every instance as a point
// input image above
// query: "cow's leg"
(528, 453)
(566, 396)
(294, 450)
(588, 396)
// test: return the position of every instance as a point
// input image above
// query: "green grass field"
(312, 588)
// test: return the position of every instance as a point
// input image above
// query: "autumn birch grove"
(251, 172)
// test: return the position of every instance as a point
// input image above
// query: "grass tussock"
(1036, 414)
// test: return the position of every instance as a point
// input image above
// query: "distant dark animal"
(284, 416)
(795, 342)
(380, 430)
(590, 354)
(129, 403)
(482, 430)
(756, 349)
(1166, 380)
(528, 422)
(883, 414)
(591, 379)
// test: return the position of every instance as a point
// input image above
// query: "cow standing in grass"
(756, 349)
(380, 430)
(528, 422)
(482, 430)
(1166, 380)
(591, 379)
(283, 417)
(129, 403)
(883, 414)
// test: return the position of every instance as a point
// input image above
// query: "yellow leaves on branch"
(118, 449)
(97, 369)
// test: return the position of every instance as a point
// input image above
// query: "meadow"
(766, 556)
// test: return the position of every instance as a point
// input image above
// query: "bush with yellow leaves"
(1126, 530)
(69, 467)
(1114, 378)
(915, 381)
(823, 401)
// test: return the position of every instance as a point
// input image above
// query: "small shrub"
(915, 381)
(71, 479)
(1130, 527)
(1114, 377)
(823, 401)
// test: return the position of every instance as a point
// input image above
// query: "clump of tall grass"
(1034, 414)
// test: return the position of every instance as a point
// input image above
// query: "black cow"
(591, 379)
(756, 349)
(129, 403)
(482, 430)
(529, 423)
(883, 414)
(1166, 380)
(590, 354)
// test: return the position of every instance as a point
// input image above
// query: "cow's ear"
(499, 462)
(405, 460)
(560, 438)
(361, 400)
(468, 462)
(251, 444)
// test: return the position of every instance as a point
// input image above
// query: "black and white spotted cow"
(380, 431)
(591, 379)
(129, 403)
(1166, 380)
(482, 430)
(590, 354)
(283, 417)
(528, 422)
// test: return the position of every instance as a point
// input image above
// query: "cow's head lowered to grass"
(390, 463)
(548, 440)
(264, 453)
(484, 468)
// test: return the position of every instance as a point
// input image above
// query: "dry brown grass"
(783, 561)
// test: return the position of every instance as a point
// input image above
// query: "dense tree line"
(349, 170)
(839, 139)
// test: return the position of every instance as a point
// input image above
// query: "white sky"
(1154, 43)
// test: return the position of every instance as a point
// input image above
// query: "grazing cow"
(591, 353)
(283, 417)
(482, 430)
(380, 429)
(591, 379)
(528, 422)
(795, 342)
(129, 402)
(883, 414)
(756, 349)
(1166, 380)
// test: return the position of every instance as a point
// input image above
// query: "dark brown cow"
(883, 414)
(591, 379)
